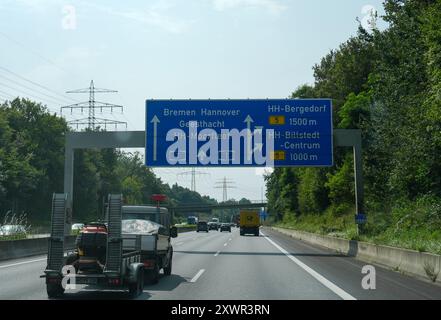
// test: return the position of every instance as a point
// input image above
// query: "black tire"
(136, 289)
(168, 269)
(71, 260)
(54, 290)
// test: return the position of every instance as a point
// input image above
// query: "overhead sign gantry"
(269, 133)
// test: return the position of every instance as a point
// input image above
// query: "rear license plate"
(87, 281)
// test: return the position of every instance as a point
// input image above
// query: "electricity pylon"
(92, 121)
(225, 184)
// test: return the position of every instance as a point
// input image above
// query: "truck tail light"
(53, 280)
(114, 282)
(149, 263)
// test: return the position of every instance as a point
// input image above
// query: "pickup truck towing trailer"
(122, 268)
(156, 248)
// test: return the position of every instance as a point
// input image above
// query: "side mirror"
(173, 232)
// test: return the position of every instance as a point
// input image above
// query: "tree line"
(388, 84)
(32, 169)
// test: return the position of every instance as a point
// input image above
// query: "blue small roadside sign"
(360, 218)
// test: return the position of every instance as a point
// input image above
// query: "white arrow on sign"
(248, 121)
(155, 122)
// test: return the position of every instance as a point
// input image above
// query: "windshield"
(137, 226)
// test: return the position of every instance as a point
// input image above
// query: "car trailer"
(122, 269)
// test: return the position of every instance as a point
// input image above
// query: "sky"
(162, 49)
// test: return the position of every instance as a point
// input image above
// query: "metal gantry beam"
(95, 140)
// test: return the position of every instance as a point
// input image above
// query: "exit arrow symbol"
(155, 122)
(248, 121)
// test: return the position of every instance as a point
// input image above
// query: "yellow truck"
(249, 222)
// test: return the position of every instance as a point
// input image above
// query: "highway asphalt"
(226, 266)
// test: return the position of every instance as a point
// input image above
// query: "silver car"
(77, 226)
(12, 229)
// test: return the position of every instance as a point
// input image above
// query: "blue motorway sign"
(239, 133)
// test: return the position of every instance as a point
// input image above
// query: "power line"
(34, 53)
(29, 88)
(36, 84)
(27, 93)
(7, 94)
(124, 102)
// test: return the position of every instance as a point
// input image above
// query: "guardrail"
(422, 265)
(15, 249)
(186, 229)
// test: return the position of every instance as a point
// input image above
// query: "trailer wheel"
(136, 289)
(54, 290)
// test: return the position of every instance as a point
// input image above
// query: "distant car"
(77, 226)
(12, 229)
(202, 226)
(225, 227)
(212, 226)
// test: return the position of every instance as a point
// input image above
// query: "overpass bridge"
(212, 207)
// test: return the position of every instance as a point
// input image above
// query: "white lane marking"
(331, 286)
(230, 239)
(225, 244)
(216, 254)
(196, 277)
(20, 263)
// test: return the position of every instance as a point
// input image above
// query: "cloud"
(273, 6)
(156, 19)
(152, 16)
(39, 6)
